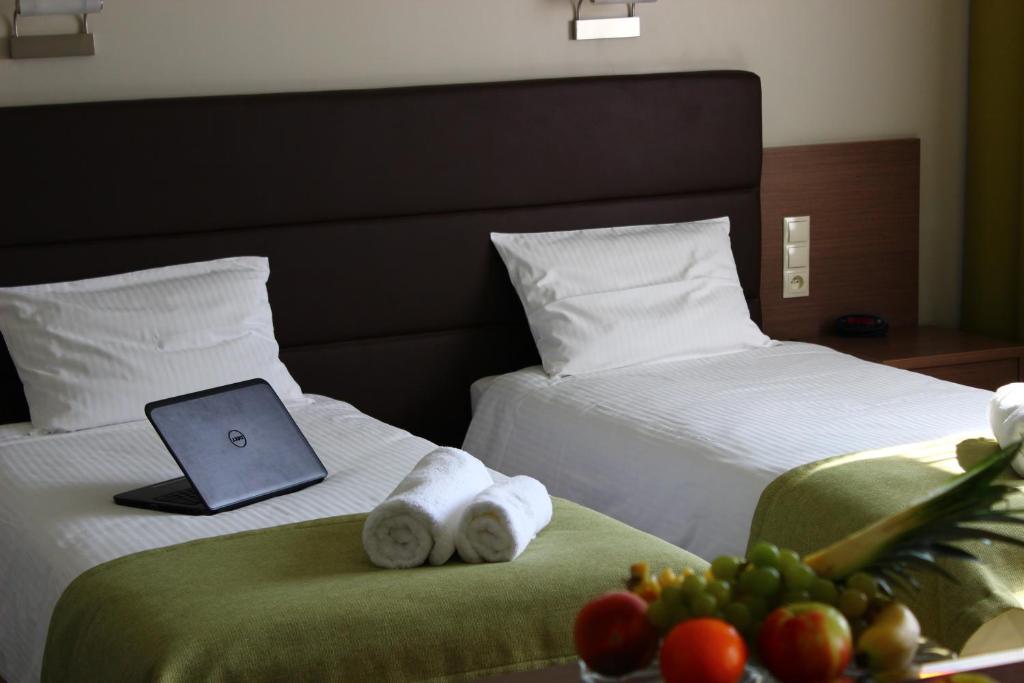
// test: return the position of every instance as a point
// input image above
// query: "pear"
(890, 642)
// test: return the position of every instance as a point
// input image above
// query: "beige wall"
(833, 70)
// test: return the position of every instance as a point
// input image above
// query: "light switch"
(797, 257)
(798, 229)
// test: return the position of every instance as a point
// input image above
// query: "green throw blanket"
(302, 602)
(812, 506)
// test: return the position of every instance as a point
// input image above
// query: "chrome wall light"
(609, 27)
(79, 44)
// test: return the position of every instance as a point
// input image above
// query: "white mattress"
(683, 449)
(57, 518)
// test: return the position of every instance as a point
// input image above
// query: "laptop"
(236, 445)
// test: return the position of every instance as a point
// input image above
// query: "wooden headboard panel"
(375, 208)
(862, 198)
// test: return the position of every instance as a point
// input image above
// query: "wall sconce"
(61, 45)
(610, 27)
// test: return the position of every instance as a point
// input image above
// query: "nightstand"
(951, 355)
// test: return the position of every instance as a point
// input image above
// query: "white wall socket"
(795, 282)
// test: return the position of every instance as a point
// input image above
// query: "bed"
(97, 592)
(373, 208)
(658, 401)
(697, 441)
(794, 443)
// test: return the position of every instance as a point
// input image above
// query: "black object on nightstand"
(861, 325)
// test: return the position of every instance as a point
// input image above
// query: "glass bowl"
(652, 674)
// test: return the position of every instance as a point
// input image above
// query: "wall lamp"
(609, 27)
(62, 45)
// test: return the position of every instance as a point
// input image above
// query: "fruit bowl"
(652, 674)
(821, 616)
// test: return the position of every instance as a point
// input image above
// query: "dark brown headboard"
(375, 207)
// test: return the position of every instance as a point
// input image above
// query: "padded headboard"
(375, 208)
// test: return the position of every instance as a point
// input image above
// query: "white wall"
(832, 70)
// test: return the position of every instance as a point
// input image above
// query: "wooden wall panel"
(863, 202)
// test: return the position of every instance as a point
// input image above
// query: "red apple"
(806, 642)
(613, 635)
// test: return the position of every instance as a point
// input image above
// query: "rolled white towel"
(1006, 416)
(420, 518)
(502, 520)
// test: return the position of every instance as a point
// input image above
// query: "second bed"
(792, 443)
(683, 449)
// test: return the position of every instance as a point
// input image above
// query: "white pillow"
(611, 297)
(94, 352)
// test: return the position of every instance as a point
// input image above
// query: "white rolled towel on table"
(1006, 416)
(420, 518)
(502, 520)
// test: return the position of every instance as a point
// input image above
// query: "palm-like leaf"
(912, 540)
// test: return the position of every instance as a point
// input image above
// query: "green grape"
(677, 613)
(721, 590)
(796, 596)
(764, 554)
(672, 595)
(738, 614)
(659, 614)
(798, 576)
(762, 582)
(757, 607)
(703, 604)
(863, 582)
(853, 603)
(788, 558)
(725, 566)
(743, 580)
(693, 584)
(823, 590)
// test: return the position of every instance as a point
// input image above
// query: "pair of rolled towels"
(450, 502)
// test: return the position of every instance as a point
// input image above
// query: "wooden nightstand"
(951, 355)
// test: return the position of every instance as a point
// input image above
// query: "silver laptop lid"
(235, 443)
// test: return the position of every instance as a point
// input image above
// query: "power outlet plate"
(796, 252)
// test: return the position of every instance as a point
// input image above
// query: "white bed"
(57, 518)
(683, 449)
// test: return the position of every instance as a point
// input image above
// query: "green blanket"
(817, 504)
(302, 602)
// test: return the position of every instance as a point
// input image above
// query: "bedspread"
(302, 602)
(814, 505)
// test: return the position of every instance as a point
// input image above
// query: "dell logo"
(237, 438)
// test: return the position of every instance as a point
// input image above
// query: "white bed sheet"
(683, 449)
(57, 518)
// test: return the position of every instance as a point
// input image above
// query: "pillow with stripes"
(612, 297)
(93, 352)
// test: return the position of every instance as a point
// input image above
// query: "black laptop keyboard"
(187, 496)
